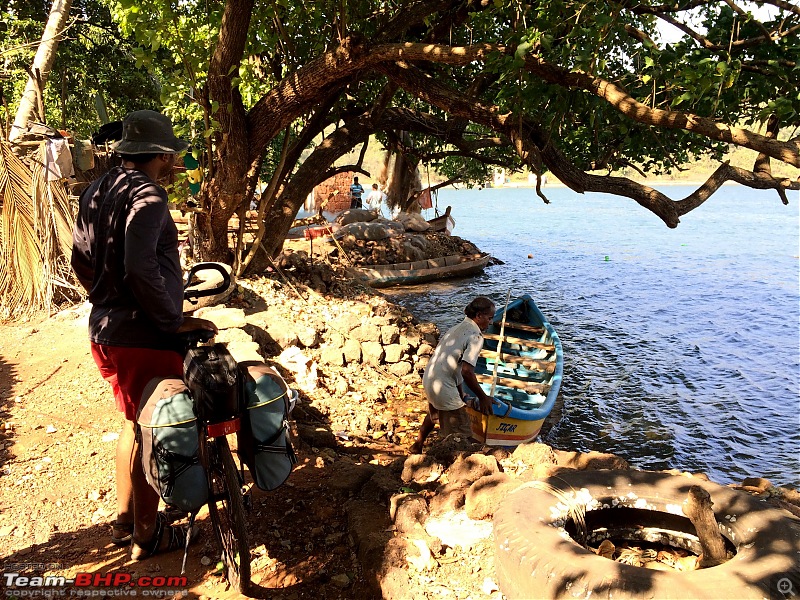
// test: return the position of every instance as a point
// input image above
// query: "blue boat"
(529, 370)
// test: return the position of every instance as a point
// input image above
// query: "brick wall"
(336, 202)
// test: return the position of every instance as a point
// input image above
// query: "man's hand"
(486, 405)
(192, 323)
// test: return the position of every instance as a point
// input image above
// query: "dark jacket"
(125, 253)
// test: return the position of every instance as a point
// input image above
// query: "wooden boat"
(421, 271)
(529, 373)
(444, 223)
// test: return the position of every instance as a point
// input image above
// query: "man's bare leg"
(424, 431)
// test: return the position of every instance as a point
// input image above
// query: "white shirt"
(443, 373)
(375, 198)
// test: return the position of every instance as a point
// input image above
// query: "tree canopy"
(581, 89)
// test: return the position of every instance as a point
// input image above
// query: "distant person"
(356, 190)
(376, 198)
(452, 365)
(125, 254)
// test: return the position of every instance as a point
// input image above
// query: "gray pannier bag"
(263, 440)
(170, 444)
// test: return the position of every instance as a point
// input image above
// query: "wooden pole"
(499, 344)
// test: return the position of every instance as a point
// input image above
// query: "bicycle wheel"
(226, 509)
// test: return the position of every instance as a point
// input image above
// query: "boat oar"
(499, 345)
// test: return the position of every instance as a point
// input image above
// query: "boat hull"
(423, 271)
(493, 430)
(528, 375)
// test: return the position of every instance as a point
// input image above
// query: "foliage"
(92, 62)
(574, 87)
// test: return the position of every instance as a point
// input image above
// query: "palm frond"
(35, 236)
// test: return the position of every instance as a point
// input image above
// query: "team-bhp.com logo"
(18, 585)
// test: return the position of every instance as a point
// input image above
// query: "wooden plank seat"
(546, 366)
(521, 341)
(521, 327)
(525, 386)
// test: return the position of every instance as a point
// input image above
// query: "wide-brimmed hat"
(147, 132)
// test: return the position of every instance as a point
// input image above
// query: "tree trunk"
(42, 64)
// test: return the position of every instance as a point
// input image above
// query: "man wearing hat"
(125, 253)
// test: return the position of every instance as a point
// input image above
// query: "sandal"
(121, 533)
(177, 540)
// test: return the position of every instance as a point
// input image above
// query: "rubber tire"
(226, 509)
(536, 559)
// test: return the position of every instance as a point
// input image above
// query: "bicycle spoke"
(226, 510)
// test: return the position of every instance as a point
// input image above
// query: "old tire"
(536, 558)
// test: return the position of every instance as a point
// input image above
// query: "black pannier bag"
(263, 440)
(213, 379)
(170, 444)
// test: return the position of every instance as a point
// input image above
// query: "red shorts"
(129, 370)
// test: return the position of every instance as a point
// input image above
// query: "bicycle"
(226, 485)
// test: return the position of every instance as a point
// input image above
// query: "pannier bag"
(170, 444)
(263, 440)
(213, 379)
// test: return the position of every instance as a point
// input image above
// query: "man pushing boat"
(451, 366)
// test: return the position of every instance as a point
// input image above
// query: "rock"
(245, 351)
(757, 482)
(456, 529)
(222, 316)
(590, 460)
(348, 321)
(446, 450)
(410, 338)
(360, 424)
(449, 497)
(316, 436)
(408, 511)
(348, 477)
(468, 469)
(341, 580)
(401, 368)
(333, 356)
(393, 353)
(485, 495)
(231, 335)
(367, 333)
(419, 555)
(372, 353)
(282, 332)
(335, 339)
(390, 334)
(424, 349)
(421, 468)
(352, 351)
(534, 454)
(308, 337)
(205, 561)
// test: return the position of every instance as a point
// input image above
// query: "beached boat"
(422, 271)
(529, 372)
(444, 223)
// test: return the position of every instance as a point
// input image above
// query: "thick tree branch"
(293, 95)
(432, 91)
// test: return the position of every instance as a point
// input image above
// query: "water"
(681, 346)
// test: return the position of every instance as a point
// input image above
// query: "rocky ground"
(358, 518)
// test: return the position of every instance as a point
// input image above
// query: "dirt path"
(58, 429)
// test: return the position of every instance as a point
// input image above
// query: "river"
(681, 346)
